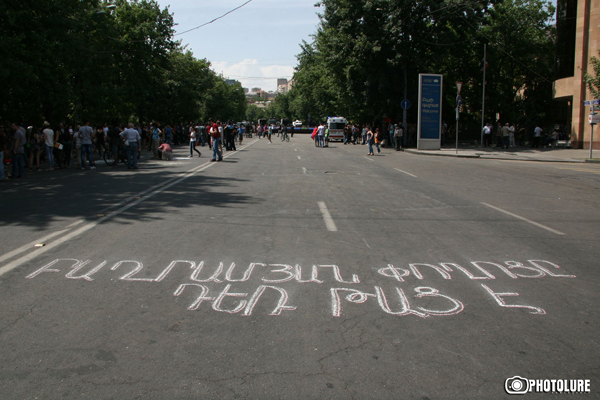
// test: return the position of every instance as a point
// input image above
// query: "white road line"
(404, 172)
(141, 197)
(299, 158)
(304, 170)
(524, 219)
(367, 158)
(327, 217)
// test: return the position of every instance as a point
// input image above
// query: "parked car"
(297, 123)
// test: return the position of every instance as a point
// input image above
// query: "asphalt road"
(291, 272)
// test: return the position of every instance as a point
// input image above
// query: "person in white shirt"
(133, 145)
(49, 144)
(537, 134)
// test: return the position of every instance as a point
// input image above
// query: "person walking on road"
(378, 139)
(192, 143)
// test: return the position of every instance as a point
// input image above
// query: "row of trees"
(366, 56)
(75, 60)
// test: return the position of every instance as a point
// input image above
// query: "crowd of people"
(67, 146)
(508, 136)
(63, 146)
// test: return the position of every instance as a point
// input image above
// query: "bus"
(336, 126)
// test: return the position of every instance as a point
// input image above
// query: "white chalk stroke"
(397, 302)
(394, 272)
(46, 268)
(246, 305)
(480, 270)
(502, 303)
(404, 304)
(359, 297)
(128, 276)
(88, 275)
(417, 273)
(203, 295)
(536, 263)
(281, 272)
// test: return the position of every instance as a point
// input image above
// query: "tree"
(593, 82)
(366, 56)
(73, 59)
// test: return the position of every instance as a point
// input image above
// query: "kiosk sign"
(430, 112)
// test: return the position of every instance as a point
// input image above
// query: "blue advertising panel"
(430, 111)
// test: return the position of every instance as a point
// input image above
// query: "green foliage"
(593, 82)
(73, 59)
(367, 54)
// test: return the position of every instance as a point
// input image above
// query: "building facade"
(578, 39)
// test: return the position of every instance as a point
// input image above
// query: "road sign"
(594, 119)
(458, 86)
(458, 101)
(405, 104)
(594, 102)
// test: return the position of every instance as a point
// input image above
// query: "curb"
(494, 157)
(421, 152)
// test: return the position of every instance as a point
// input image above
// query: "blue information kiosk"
(429, 128)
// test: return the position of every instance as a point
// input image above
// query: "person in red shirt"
(216, 139)
(167, 152)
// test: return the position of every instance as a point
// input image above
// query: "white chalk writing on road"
(397, 303)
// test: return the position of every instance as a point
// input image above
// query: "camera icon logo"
(516, 385)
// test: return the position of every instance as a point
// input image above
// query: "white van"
(336, 127)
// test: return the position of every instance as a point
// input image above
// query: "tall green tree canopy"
(366, 56)
(73, 59)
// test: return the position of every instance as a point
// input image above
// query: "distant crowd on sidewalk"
(508, 136)
(63, 146)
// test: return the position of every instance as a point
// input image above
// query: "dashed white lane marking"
(327, 217)
(304, 170)
(367, 158)
(404, 172)
(524, 219)
(142, 197)
(299, 158)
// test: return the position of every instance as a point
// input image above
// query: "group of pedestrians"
(24, 146)
(507, 136)
(367, 135)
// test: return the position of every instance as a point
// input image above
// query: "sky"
(255, 44)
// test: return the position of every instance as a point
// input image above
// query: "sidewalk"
(517, 154)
